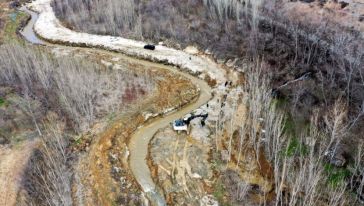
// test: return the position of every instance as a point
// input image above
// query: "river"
(140, 139)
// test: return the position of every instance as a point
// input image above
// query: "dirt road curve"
(49, 28)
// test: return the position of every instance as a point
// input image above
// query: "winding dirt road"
(139, 142)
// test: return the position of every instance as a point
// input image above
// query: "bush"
(336, 176)
(2, 102)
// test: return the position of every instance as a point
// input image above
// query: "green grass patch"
(111, 117)
(295, 147)
(219, 191)
(219, 194)
(78, 140)
(216, 162)
(280, 103)
(289, 127)
(336, 176)
(2, 102)
(12, 24)
(293, 129)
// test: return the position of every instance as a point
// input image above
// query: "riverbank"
(245, 171)
(50, 28)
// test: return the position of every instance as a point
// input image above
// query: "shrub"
(2, 102)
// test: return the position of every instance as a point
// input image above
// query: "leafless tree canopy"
(302, 160)
(233, 29)
(104, 17)
(315, 71)
(48, 175)
(78, 89)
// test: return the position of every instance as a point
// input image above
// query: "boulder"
(308, 99)
(3, 140)
(343, 4)
(338, 161)
(361, 18)
(208, 200)
(336, 157)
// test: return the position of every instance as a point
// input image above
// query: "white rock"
(191, 50)
(196, 176)
(148, 115)
(208, 200)
(115, 59)
(106, 63)
(231, 62)
(208, 52)
(166, 111)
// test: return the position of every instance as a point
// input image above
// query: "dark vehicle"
(149, 47)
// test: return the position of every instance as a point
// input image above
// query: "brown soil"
(166, 156)
(105, 168)
(12, 164)
(180, 167)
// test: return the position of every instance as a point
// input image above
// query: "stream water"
(28, 32)
(139, 142)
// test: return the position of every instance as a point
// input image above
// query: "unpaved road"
(140, 140)
(12, 164)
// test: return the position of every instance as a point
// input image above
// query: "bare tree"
(78, 89)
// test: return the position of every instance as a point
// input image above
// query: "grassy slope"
(10, 22)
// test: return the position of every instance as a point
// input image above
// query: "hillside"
(182, 102)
